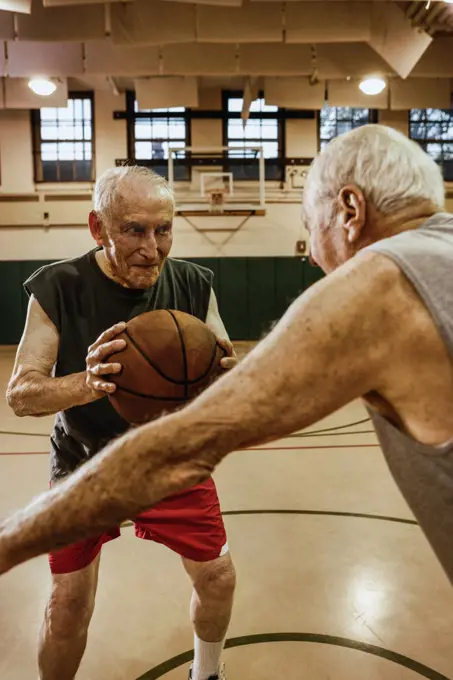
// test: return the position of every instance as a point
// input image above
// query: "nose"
(148, 247)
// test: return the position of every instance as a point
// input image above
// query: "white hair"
(107, 192)
(390, 169)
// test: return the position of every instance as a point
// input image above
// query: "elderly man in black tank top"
(379, 326)
(77, 308)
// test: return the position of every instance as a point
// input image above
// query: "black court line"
(318, 513)
(330, 434)
(302, 434)
(307, 433)
(26, 434)
(321, 513)
(264, 638)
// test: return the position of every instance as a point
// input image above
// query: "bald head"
(370, 176)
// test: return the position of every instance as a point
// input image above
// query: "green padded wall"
(253, 292)
(11, 309)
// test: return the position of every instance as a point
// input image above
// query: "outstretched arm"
(331, 347)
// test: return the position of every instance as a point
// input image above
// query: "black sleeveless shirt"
(82, 302)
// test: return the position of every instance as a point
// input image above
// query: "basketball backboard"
(224, 180)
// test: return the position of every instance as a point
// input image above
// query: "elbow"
(14, 402)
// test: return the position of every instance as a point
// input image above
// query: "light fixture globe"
(42, 86)
(373, 85)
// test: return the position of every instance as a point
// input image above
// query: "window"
(152, 132)
(335, 120)
(263, 128)
(433, 130)
(63, 141)
(155, 135)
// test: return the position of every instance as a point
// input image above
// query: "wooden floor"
(336, 581)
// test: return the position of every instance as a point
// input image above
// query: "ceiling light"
(42, 86)
(373, 85)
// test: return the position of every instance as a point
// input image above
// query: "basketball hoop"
(216, 200)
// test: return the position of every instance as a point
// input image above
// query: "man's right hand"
(96, 361)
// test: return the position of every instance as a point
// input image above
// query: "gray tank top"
(423, 473)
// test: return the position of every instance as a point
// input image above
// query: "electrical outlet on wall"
(301, 247)
(295, 176)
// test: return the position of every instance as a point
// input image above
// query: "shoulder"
(189, 269)
(371, 296)
(58, 273)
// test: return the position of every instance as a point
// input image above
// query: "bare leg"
(210, 612)
(63, 635)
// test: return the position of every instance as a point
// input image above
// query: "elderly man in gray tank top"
(379, 326)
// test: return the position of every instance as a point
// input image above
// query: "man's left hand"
(230, 360)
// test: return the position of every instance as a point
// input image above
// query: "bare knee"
(217, 581)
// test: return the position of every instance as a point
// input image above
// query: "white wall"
(110, 134)
(16, 152)
(302, 138)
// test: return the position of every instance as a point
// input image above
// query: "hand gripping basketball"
(169, 358)
(96, 362)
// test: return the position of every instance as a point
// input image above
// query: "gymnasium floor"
(335, 578)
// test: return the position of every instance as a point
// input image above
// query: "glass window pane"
(78, 131)
(159, 129)
(87, 109)
(88, 151)
(143, 129)
(177, 129)
(433, 129)
(48, 113)
(235, 104)
(176, 144)
(268, 108)
(87, 131)
(270, 149)
(49, 130)
(235, 129)
(66, 151)
(78, 109)
(253, 129)
(143, 150)
(334, 121)
(49, 152)
(269, 129)
(66, 113)
(78, 151)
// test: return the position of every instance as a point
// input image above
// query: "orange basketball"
(170, 357)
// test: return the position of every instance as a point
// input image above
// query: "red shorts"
(190, 524)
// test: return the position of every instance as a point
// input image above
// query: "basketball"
(170, 357)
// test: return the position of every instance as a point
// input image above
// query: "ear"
(96, 228)
(353, 207)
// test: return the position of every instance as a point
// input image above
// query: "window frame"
(35, 115)
(131, 117)
(373, 117)
(446, 165)
(275, 167)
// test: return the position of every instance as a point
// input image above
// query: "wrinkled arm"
(32, 391)
(215, 323)
(331, 347)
